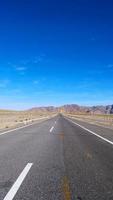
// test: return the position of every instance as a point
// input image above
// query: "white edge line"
(12, 192)
(51, 129)
(2, 133)
(110, 142)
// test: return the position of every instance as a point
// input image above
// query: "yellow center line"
(66, 189)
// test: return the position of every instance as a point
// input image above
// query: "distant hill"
(74, 108)
(44, 109)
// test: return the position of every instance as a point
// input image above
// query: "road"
(57, 159)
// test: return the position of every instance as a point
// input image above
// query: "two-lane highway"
(57, 160)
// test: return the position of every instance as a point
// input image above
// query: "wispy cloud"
(33, 60)
(38, 59)
(21, 68)
(24, 64)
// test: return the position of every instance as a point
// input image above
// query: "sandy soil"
(9, 119)
(102, 120)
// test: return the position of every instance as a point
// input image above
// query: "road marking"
(12, 192)
(110, 142)
(51, 129)
(66, 189)
(15, 129)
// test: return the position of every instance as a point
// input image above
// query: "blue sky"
(56, 52)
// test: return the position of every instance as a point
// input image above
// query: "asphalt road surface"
(58, 159)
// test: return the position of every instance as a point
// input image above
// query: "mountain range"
(76, 109)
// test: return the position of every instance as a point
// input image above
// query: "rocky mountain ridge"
(74, 108)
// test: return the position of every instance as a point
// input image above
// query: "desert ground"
(105, 120)
(11, 119)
